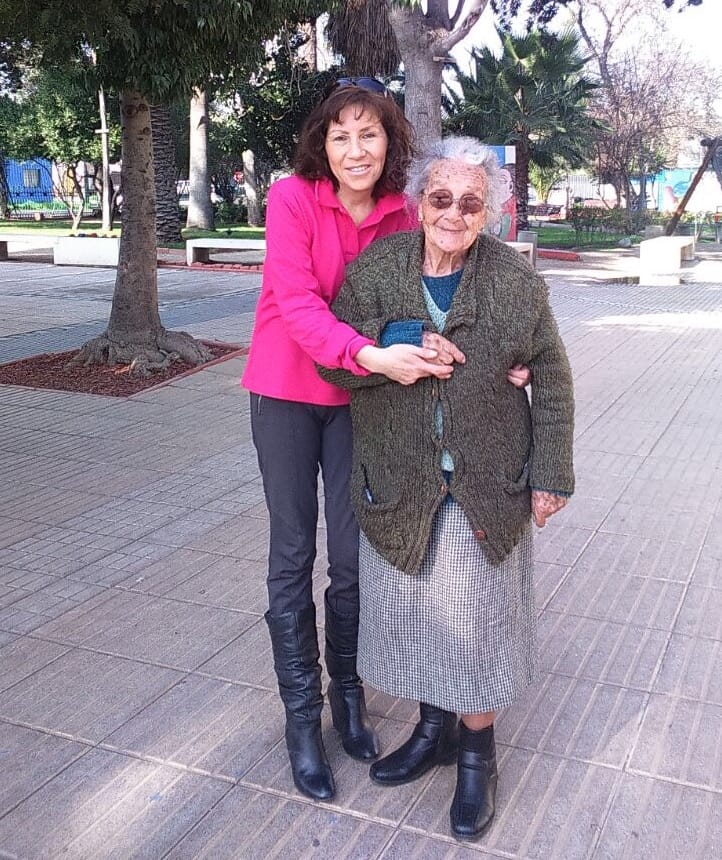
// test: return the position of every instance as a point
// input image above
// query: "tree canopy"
(533, 96)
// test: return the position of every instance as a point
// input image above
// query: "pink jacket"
(310, 238)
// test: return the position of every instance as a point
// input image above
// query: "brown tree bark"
(135, 334)
(167, 213)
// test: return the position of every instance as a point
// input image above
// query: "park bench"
(526, 249)
(538, 212)
(660, 259)
(38, 240)
(198, 250)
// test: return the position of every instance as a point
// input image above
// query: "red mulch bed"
(50, 371)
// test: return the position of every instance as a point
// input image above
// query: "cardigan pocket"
(378, 520)
(519, 484)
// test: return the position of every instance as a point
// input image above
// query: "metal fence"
(39, 204)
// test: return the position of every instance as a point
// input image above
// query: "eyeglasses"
(469, 204)
(365, 83)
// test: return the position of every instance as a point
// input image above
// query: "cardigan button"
(480, 535)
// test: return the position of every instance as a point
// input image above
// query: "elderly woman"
(448, 472)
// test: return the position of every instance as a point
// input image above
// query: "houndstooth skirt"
(461, 633)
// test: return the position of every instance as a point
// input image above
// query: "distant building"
(29, 181)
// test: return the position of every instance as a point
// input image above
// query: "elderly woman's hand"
(519, 375)
(447, 352)
(403, 363)
(545, 505)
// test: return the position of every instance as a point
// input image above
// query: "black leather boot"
(345, 692)
(472, 808)
(295, 656)
(433, 741)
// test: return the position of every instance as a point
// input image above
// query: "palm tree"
(534, 96)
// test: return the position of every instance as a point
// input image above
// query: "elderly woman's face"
(455, 228)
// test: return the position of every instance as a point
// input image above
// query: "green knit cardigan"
(502, 445)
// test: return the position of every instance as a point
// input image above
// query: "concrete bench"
(86, 251)
(36, 240)
(526, 249)
(198, 250)
(660, 259)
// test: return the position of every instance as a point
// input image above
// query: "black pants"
(292, 440)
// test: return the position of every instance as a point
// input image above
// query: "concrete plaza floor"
(138, 713)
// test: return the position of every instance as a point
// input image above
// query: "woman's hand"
(545, 505)
(403, 363)
(519, 375)
(447, 352)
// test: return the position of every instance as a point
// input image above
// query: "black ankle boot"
(472, 808)
(433, 741)
(295, 656)
(345, 692)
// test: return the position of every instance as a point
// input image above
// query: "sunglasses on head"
(469, 204)
(372, 84)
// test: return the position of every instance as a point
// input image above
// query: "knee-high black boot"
(345, 692)
(295, 656)
(473, 806)
(433, 741)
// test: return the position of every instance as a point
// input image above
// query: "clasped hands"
(406, 364)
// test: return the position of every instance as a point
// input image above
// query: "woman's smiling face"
(356, 148)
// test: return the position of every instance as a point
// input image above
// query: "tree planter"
(86, 251)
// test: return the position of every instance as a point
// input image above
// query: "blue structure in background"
(28, 181)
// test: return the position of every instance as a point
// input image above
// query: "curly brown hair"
(310, 159)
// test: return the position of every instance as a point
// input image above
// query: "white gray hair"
(469, 151)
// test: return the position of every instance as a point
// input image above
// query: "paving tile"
(125, 518)
(640, 555)
(701, 613)
(652, 819)
(239, 537)
(228, 582)
(20, 657)
(110, 806)
(255, 826)
(162, 574)
(547, 807)
(600, 650)
(30, 759)
(691, 669)
(679, 740)
(708, 570)
(13, 530)
(624, 599)
(410, 846)
(547, 578)
(575, 718)
(104, 693)
(662, 521)
(220, 728)
(58, 551)
(187, 526)
(247, 659)
(633, 438)
(557, 544)
(149, 628)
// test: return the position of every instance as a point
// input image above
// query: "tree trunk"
(422, 91)
(424, 41)
(200, 207)
(4, 196)
(522, 186)
(135, 335)
(105, 190)
(251, 189)
(167, 213)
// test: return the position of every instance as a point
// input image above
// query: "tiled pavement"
(138, 716)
